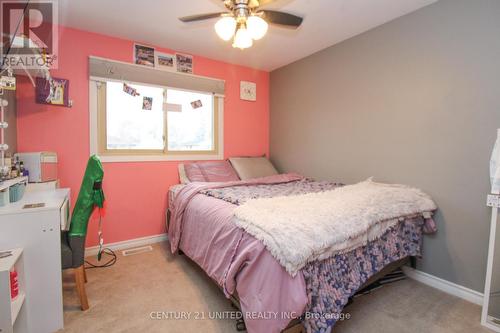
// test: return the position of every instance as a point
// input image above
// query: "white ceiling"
(326, 22)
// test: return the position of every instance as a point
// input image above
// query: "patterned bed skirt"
(331, 282)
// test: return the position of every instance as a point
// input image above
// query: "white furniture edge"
(445, 285)
(91, 251)
(8, 262)
(16, 305)
(489, 270)
(9, 182)
(38, 231)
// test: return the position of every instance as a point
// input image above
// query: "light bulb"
(257, 27)
(242, 40)
(225, 27)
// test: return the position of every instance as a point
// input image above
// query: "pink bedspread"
(202, 227)
(234, 259)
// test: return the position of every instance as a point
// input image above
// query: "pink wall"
(135, 192)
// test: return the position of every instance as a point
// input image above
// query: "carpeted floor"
(123, 297)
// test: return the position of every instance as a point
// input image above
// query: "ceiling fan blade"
(281, 18)
(201, 17)
(258, 3)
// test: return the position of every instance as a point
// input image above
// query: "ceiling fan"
(245, 22)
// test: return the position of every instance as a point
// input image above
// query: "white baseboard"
(425, 278)
(91, 251)
(444, 285)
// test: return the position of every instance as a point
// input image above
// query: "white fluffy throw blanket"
(303, 228)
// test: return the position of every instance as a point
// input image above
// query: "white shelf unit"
(9, 182)
(11, 310)
(6, 188)
(16, 305)
(37, 230)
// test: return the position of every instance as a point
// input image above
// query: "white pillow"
(252, 167)
(182, 174)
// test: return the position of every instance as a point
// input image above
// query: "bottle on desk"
(22, 170)
(14, 172)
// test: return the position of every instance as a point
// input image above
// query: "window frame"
(98, 137)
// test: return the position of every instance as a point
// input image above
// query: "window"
(149, 122)
(191, 126)
(130, 125)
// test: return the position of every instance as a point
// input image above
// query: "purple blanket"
(238, 195)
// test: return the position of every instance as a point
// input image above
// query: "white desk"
(38, 232)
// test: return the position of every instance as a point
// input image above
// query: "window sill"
(158, 158)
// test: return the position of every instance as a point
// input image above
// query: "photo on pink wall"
(144, 55)
(184, 63)
(52, 91)
(165, 61)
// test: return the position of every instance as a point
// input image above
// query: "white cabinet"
(12, 309)
(38, 231)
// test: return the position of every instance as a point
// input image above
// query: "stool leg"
(80, 287)
(85, 274)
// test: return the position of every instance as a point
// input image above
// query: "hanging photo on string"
(196, 104)
(129, 90)
(147, 103)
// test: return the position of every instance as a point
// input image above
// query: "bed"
(202, 226)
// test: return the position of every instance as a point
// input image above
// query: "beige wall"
(415, 101)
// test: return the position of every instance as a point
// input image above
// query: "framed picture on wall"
(144, 55)
(184, 63)
(165, 61)
(53, 91)
(248, 91)
(8, 82)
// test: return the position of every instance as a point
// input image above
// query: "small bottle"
(13, 172)
(18, 165)
(21, 169)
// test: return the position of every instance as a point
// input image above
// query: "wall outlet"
(493, 201)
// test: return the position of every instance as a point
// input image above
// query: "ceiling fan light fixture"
(244, 21)
(242, 39)
(257, 27)
(225, 27)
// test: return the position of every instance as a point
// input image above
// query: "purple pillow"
(217, 171)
